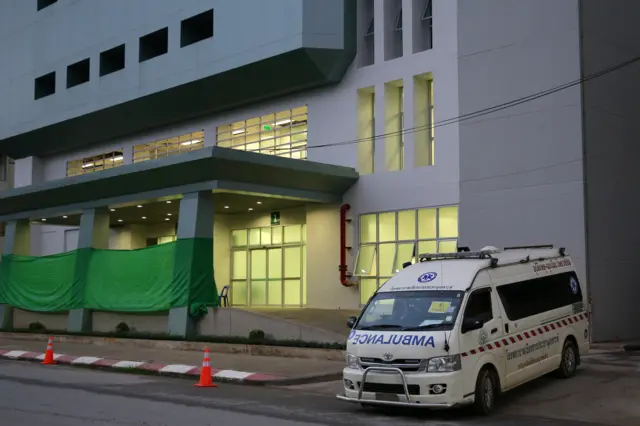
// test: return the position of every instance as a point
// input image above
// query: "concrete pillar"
(195, 223)
(17, 240)
(93, 233)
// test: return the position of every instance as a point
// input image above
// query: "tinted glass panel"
(527, 298)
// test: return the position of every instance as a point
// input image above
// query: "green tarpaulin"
(153, 279)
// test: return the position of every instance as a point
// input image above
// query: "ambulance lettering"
(392, 339)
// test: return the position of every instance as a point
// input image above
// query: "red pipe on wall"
(344, 280)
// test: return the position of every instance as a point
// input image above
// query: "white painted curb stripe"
(55, 356)
(85, 360)
(232, 374)
(14, 354)
(176, 368)
(127, 364)
(172, 368)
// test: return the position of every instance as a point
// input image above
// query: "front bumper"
(388, 386)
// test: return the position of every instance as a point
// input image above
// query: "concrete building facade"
(440, 123)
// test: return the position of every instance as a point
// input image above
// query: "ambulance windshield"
(411, 311)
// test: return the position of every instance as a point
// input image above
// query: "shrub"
(37, 327)
(122, 328)
(256, 335)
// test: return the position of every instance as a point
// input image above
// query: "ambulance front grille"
(406, 365)
(390, 388)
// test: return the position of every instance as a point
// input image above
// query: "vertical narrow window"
(423, 120)
(366, 130)
(401, 125)
(393, 125)
(423, 26)
(393, 29)
(366, 43)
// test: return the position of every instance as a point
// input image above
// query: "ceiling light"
(119, 220)
(238, 132)
(259, 202)
(86, 166)
(250, 209)
(144, 217)
(113, 210)
(226, 207)
(167, 219)
(168, 202)
(64, 217)
(193, 142)
(118, 158)
(168, 214)
(283, 122)
(139, 206)
(44, 220)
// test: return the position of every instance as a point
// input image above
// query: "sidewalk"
(225, 367)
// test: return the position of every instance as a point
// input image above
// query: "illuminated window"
(95, 163)
(283, 134)
(172, 146)
(268, 266)
(388, 240)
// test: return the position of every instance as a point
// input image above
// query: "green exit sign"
(267, 127)
(275, 218)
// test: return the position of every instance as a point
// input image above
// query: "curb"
(174, 370)
(227, 348)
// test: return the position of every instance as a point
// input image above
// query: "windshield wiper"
(381, 327)
(426, 326)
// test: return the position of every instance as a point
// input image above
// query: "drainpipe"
(344, 279)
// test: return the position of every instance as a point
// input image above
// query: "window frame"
(415, 242)
(371, 28)
(269, 131)
(476, 293)
(88, 164)
(534, 288)
(175, 145)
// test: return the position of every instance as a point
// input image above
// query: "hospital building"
(286, 157)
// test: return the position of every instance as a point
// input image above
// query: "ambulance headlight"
(444, 364)
(352, 361)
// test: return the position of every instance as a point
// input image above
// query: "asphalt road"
(31, 394)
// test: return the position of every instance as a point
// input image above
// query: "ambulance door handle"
(506, 328)
(494, 331)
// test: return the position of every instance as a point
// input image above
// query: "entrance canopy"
(214, 168)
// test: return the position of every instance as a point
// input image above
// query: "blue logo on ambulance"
(574, 285)
(427, 277)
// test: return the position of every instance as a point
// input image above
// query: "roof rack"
(543, 246)
(484, 254)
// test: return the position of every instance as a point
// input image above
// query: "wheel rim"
(488, 392)
(569, 358)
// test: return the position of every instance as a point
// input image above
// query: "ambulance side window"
(479, 305)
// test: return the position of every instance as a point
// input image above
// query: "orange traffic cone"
(48, 356)
(206, 380)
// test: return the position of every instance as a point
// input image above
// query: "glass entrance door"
(266, 277)
(271, 273)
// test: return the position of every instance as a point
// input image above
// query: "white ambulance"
(458, 329)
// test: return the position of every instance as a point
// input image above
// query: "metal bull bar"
(384, 370)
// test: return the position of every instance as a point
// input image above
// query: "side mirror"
(470, 324)
(406, 264)
(351, 321)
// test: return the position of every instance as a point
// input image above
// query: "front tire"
(486, 392)
(569, 362)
